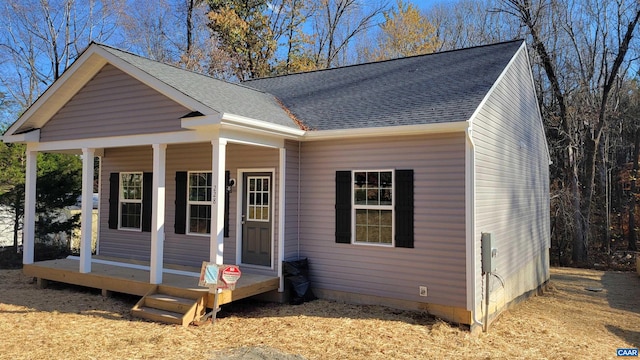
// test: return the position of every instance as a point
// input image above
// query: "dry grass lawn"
(567, 322)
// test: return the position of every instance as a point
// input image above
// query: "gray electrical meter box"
(489, 253)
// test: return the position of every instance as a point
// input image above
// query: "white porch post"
(86, 216)
(217, 200)
(282, 170)
(28, 229)
(157, 208)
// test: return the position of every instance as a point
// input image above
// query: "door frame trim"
(239, 195)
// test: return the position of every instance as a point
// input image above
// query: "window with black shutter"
(130, 195)
(375, 207)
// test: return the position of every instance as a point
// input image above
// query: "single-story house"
(385, 175)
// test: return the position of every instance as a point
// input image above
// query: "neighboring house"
(383, 174)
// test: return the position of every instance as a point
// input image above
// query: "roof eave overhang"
(240, 123)
(26, 137)
(404, 130)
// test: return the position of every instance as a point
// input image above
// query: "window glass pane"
(131, 186)
(373, 235)
(385, 179)
(199, 219)
(258, 199)
(386, 217)
(199, 191)
(385, 196)
(361, 217)
(373, 197)
(373, 217)
(361, 233)
(372, 179)
(385, 234)
(130, 215)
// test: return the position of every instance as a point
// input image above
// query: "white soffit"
(434, 128)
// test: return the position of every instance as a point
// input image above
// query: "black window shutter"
(343, 207)
(147, 200)
(180, 225)
(227, 177)
(404, 208)
(114, 193)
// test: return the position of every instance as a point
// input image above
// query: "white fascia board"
(252, 138)
(27, 137)
(155, 83)
(204, 122)
(176, 137)
(434, 128)
(239, 121)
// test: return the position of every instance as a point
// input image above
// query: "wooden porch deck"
(135, 281)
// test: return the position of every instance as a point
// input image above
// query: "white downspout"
(470, 159)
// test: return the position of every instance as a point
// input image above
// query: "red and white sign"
(230, 275)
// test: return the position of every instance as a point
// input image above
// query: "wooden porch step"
(158, 315)
(166, 305)
(169, 303)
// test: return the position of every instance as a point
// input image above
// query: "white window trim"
(391, 207)
(195, 202)
(270, 192)
(129, 201)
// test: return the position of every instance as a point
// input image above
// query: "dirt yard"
(567, 322)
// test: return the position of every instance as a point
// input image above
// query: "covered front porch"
(169, 142)
(128, 277)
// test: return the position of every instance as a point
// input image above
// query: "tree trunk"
(632, 197)
(190, 6)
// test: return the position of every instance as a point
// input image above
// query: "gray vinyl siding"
(512, 174)
(292, 176)
(180, 249)
(124, 244)
(438, 259)
(113, 104)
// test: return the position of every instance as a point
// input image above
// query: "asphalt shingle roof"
(435, 88)
(222, 96)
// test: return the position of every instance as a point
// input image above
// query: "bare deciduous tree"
(40, 39)
(582, 48)
(337, 23)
